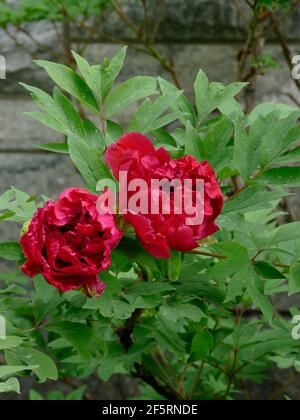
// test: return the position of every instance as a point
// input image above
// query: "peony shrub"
(109, 287)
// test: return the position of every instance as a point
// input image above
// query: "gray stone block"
(46, 174)
(18, 131)
(188, 21)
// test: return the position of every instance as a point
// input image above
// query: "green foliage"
(186, 313)
(26, 11)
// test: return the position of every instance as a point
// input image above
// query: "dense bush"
(193, 326)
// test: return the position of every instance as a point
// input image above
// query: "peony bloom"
(70, 243)
(159, 233)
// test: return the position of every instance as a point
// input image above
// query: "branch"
(125, 335)
(239, 10)
(151, 49)
(285, 49)
(224, 257)
(149, 379)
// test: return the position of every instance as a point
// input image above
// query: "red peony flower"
(159, 233)
(70, 243)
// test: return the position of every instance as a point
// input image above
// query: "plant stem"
(151, 49)
(125, 333)
(140, 371)
(224, 257)
(198, 377)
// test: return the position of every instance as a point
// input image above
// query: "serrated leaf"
(202, 343)
(146, 119)
(265, 270)
(252, 198)
(132, 90)
(71, 82)
(293, 156)
(284, 176)
(259, 300)
(84, 339)
(216, 140)
(210, 96)
(88, 161)
(193, 143)
(182, 104)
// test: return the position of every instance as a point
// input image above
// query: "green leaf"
(266, 108)
(71, 117)
(244, 152)
(279, 138)
(193, 143)
(237, 258)
(256, 292)
(216, 140)
(212, 96)
(84, 68)
(88, 161)
(290, 157)
(132, 90)
(164, 138)
(77, 394)
(110, 71)
(11, 370)
(35, 396)
(84, 339)
(202, 344)
(48, 121)
(181, 310)
(18, 206)
(148, 289)
(135, 253)
(284, 176)
(294, 278)
(236, 285)
(122, 309)
(91, 74)
(11, 251)
(267, 271)
(46, 367)
(181, 105)
(71, 82)
(11, 385)
(285, 233)
(252, 198)
(10, 342)
(113, 132)
(253, 148)
(174, 265)
(146, 118)
(101, 77)
(45, 291)
(54, 147)
(43, 100)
